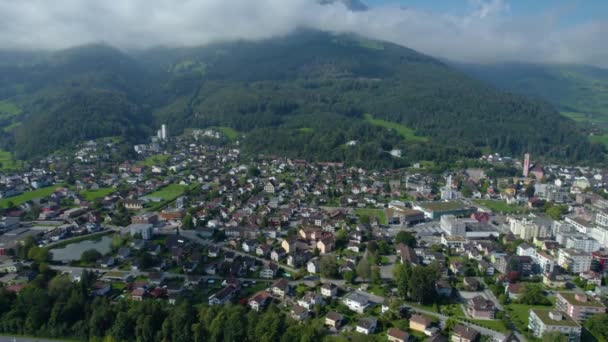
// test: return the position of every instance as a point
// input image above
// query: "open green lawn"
(169, 192)
(306, 130)
(8, 109)
(497, 325)
(378, 213)
(28, 195)
(7, 163)
(157, 160)
(407, 133)
(91, 195)
(501, 206)
(519, 313)
(230, 133)
(602, 139)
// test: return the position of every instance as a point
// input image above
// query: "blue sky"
(572, 11)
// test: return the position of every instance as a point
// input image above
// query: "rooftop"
(575, 299)
(543, 315)
(442, 206)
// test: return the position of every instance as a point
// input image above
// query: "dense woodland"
(304, 95)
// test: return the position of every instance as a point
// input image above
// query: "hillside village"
(501, 249)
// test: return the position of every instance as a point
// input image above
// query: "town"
(499, 249)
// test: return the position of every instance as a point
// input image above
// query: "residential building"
(280, 288)
(397, 335)
(329, 290)
(299, 313)
(462, 333)
(541, 322)
(480, 308)
(222, 296)
(333, 319)
(145, 230)
(528, 229)
(259, 300)
(578, 306)
(366, 325)
(574, 261)
(356, 302)
(582, 243)
(420, 323)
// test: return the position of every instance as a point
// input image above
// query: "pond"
(73, 251)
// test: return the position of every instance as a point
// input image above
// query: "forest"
(305, 95)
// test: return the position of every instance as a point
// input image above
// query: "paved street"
(25, 339)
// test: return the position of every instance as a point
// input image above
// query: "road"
(25, 339)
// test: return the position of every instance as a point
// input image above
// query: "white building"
(145, 230)
(574, 261)
(542, 322)
(545, 262)
(453, 226)
(529, 229)
(582, 243)
(601, 218)
(356, 302)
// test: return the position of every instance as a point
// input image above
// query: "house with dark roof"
(480, 308)
(462, 333)
(397, 335)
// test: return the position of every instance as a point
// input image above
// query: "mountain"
(579, 91)
(73, 95)
(305, 95)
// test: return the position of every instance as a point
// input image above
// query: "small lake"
(73, 251)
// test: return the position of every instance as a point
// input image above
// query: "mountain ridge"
(303, 95)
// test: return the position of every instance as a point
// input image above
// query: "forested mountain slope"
(304, 95)
(573, 89)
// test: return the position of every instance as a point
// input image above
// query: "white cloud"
(489, 32)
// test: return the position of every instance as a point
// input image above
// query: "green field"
(7, 163)
(169, 192)
(497, 325)
(501, 206)
(157, 160)
(378, 213)
(229, 132)
(520, 313)
(91, 195)
(407, 133)
(28, 196)
(8, 109)
(305, 130)
(11, 126)
(601, 139)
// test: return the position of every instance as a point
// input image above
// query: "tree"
(406, 238)
(555, 336)
(533, 295)
(376, 277)
(187, 222)
(349, 276)
(401, 274)
(90, 256)
(372, 247)
(364, 269)
(422, 284)
(328, 267)
(598, 326)
(39, 254)
(530, 190)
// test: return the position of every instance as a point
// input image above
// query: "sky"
(480, 31)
